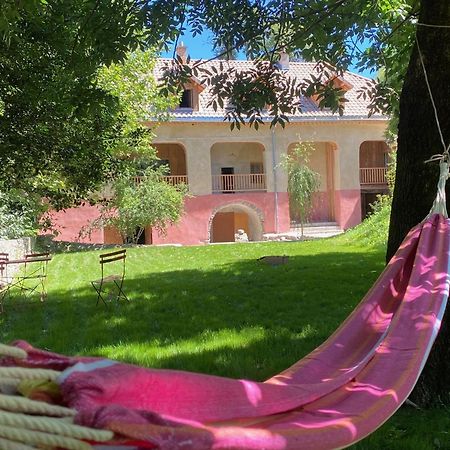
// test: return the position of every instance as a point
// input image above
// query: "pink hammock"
(332, 398)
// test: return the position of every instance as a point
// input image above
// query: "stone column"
(347, 185)
(198, 163)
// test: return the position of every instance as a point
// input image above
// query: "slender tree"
(302, 182)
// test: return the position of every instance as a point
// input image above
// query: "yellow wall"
(199, 137)
(175, 155)
(235, 154)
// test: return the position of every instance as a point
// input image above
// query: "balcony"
(242, 182)
(173, 180)
(373, 175)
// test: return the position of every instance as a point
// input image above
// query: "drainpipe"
(274, 170)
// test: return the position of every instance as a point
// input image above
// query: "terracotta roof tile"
(355, 108)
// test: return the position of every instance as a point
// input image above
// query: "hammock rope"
(29, 374)
(55, 426)
(25, 405)
(6, 444)
(21, 431)
(433, 103)
(439, 204)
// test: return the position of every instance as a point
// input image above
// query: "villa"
(234, 176)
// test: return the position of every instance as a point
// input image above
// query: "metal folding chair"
(110, 285)
(29, 275)
(34, 273)
(3, 278)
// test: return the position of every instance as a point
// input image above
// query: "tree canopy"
(56, 122)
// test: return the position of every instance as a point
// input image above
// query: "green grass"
(216, 309)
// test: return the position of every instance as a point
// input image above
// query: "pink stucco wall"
(193, 227)
(348, 208)
(68, 224)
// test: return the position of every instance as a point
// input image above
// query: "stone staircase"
(310, 231)
(320, 229)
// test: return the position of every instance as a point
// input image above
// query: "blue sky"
(200, 47)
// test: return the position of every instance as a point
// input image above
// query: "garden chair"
(3, 278)
(31, 276)
(34, 273)
(3, 267)
(110, 284)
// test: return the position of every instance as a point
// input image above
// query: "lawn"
(216, 309)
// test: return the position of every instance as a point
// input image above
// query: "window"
(187, 99)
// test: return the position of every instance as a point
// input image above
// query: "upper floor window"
(187, 99)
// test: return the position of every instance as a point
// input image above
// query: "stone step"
(311, 231)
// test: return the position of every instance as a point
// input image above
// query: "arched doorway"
(227, 220)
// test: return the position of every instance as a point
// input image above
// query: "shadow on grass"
(245, 319)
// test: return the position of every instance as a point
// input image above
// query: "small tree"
(302, 182)
(136, 203)
(139, 195)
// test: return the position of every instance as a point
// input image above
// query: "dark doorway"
(367, 199)
(141, 239)
(227, 180)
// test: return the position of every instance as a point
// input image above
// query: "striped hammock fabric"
(332, 398)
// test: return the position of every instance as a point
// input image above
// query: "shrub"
(18, 215)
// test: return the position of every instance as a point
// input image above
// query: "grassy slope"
(216, 309)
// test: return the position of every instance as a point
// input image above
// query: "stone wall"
(16, 249)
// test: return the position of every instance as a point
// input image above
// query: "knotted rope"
(19, 431)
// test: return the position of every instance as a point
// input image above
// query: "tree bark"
(415, 185)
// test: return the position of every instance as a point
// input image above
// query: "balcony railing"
(373, 175)
(170, 179)
(242, 182)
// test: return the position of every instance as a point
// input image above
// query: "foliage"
(377, 34)
(57, 123)
(137, 203)
(374, 230)
(302, 181)
(11, 12)
(140, 197)
(18, 214)
(132, 83)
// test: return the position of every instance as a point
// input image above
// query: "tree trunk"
(415, 185)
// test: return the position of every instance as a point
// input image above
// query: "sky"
(200, 47)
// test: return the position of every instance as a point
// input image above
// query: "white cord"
(439, 204)
(432, 98)
(431, 25)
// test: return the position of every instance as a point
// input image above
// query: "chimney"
(284, 60)
(182, 52)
